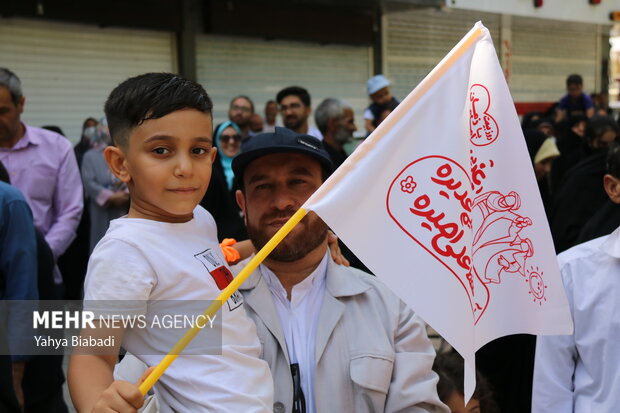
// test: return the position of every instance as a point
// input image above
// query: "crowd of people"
(195, 200)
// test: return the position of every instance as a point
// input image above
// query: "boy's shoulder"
(138, 227)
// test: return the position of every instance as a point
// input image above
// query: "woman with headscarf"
(107, 196)
(581, 192)
(220, 197)
(89, 128)
(543, 151)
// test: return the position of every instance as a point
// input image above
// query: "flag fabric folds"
(441, 203)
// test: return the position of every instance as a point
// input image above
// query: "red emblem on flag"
(473, 232)
(222, 277)
(483, 129)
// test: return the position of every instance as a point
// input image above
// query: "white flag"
(441, 203)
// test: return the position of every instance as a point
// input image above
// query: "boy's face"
(167, 165)
(574, 90)
(382, 96)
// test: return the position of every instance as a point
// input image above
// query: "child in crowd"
(449, 367)
(382, 100)
(575, 102)
(166, 248)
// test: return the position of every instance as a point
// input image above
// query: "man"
(606, 218)
(240, 112)
(18, 281)
(336, 122)
(42, 165)
(579, 372)
(336, 339)
(271, 112)
(256, 123)
(294, 102)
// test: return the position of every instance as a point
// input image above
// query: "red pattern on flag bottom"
(477, 237)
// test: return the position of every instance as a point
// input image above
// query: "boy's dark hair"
(449, 367)
(298, 91)
(151, 96)
(574, 80)
(613, 160)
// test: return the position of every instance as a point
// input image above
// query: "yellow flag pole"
(234, 285)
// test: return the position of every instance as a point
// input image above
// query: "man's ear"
(20, 104)
(612, 187)
(332, 124)
(115, 158)
(241, 202)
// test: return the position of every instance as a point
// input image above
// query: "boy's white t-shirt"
(140, 259)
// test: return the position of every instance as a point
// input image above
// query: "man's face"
(9, 118)
(271, 111)
(167, 165)
(346, 127)
(294, 113)
(240, 112)
(275, 186)
(256, 123)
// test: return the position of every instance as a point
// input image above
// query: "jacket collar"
(258, 297)
(339, 283)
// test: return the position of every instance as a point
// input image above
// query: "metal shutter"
(228, 66)
(545, 52)
(68, 70)
(417, 39)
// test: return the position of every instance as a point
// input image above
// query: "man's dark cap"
(283, 140)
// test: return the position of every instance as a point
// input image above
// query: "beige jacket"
(372, 351)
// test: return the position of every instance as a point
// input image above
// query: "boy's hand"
(18, 377)
(121, 397)
(334, 248)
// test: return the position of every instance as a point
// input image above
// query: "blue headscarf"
(226, 161)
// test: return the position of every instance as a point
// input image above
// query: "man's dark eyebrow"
(300, 170)
(256, 178)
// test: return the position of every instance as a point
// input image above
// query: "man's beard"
(294, 246)
(293, 123)
(240, 121)
(342, 135)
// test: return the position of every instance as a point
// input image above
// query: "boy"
(382, 100)
(575, 102)
(161, 126)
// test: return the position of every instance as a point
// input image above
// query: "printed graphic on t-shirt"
(214, 262)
